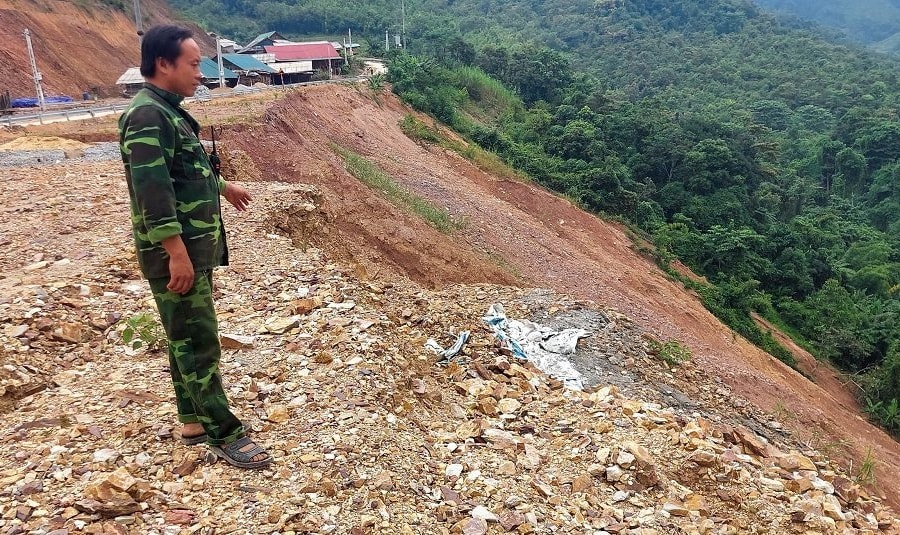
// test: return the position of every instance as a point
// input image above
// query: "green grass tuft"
(489, 93)
(485, 160)
(671, 352)
(369, 174)
(866, 474)
(419, 131)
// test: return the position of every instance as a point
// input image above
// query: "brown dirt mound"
(542, 239)
(42, 142)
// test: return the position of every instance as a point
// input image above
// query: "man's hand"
(238, 197)
(181, 270)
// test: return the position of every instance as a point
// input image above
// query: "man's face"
(183, 76)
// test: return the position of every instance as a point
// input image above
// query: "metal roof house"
(258, 44)
(246, 64)
(228, 46)
(209, 68)
(131, 81)
(341, 47)
(292, 72)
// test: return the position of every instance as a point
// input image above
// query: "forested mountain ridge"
(760, 154)
(872, 22)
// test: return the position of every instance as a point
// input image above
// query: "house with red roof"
(322, 54)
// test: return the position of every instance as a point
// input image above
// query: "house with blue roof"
(209, 68)
(249, 69)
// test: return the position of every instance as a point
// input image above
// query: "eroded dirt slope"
(77, 45)
(539, 238)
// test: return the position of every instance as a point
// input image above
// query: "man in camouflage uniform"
(179, 236)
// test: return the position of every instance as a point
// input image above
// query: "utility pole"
(403, 22)
(387, 45)
(34, 71)
(138, 20)
(221, 66)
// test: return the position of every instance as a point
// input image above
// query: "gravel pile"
(326, 363)
(97, 152)
(30, 158)
(101, 152)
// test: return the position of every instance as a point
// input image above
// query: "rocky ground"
(326, 363)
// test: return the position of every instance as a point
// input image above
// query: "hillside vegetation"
(760, 155)
(872, 22)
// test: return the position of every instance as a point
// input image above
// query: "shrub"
(143, 330)
(320, 75)
(376, 82)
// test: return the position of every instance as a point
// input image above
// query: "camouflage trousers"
(193, 332)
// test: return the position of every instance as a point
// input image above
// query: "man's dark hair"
(163, 41)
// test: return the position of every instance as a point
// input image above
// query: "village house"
(228, 46)
(269, 58)
(248, 69)
(345, 49)
(130, 82)
(209, 68)
(292, 72)
(260, 42)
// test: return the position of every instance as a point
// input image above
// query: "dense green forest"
(757, 152)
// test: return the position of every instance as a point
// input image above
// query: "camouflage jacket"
(171, 183)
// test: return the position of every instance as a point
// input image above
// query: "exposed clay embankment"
(516, 230)
(77, 45)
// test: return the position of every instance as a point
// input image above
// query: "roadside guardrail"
(68, 115)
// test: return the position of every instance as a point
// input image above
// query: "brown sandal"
(242, 459)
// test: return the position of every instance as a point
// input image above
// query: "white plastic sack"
(539, 344)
